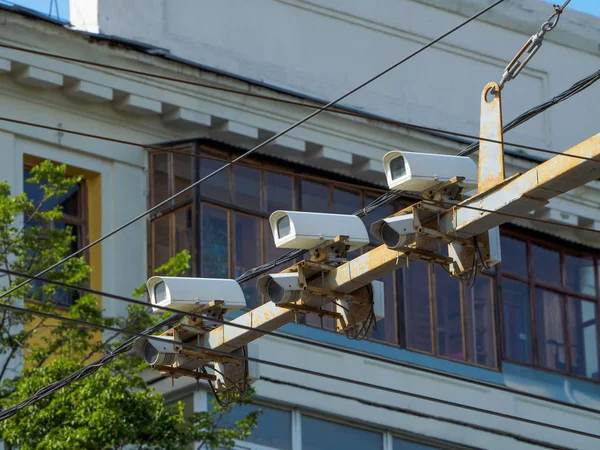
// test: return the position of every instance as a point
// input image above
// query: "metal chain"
(531, 47)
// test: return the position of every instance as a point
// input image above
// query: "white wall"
(325, 47)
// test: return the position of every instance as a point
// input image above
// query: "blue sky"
(588, 6)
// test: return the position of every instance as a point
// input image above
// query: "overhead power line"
(44, 392)
(188, 154)
(259, 146)
(312, 343)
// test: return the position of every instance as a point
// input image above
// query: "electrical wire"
(291, 255)
(44, 392)
(575, 89)
(582, 84)
(259, 146)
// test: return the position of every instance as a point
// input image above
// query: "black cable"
(44, 392)
(259, 146)
(575, 89)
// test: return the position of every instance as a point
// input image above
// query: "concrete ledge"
(39, 78)
(89, 92)
(138, 105)
(186, 118)
(5, 65)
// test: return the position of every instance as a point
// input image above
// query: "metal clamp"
(533, 44)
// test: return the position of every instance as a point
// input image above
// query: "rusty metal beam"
(519, 194)
(491, 154)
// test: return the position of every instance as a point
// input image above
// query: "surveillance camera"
(418, 172)
(156, 350)
(280, 287)
(192, 294)
(395, 232)
(305, 230)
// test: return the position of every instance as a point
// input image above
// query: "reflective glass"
(278, 191)
(345, 202)
(514, 256)
(546, 265)
(581, 275)
(160, 177)
(247, 254)
(401, 444)
(182, 170)
(215, 239)
(517, 320)
(417, 306)
(385, 329)
(583, 337)
(246, 187)
(315, 197)
(320, 434)
(480, 322)
(217, 186)
(449, 315)
(161, 244)
(274, 428)
(183, 233)
(550, 330)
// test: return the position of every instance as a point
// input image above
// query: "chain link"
(531, 47)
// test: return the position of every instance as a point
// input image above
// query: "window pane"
(162, 237)
(583, 337)
(217, 186)
(274, 428)
(546, 265)
(375, 215)
(517, 319)
(480, 323)
(320, 434)
(183, 166)
(345, 202)
(279, 191)
(385, 329)
(246, 187)
(160, 178)
(400, 444)
(449, 315)
(215, 248)
(580, 275)
(550, 330)
(247, 254)
(315, 197)
(183, 233)
(514, 256)
(418, 314)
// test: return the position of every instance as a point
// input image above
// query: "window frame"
(562, 291)
(82, 221)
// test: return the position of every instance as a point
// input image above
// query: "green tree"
(111, 409)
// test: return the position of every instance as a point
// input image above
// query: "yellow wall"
(93, 184)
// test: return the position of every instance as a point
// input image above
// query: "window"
(224, 222)
(274, 428)
(448, 318)
(549, 303)
(74, 218)
(320, 434)
(401, 444)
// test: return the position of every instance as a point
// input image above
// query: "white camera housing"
(417, 172)
(156, 350)
(395, 232)
(192, 294)
(280, 287)
(306, 230)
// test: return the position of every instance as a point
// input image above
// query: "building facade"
(528, 325)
